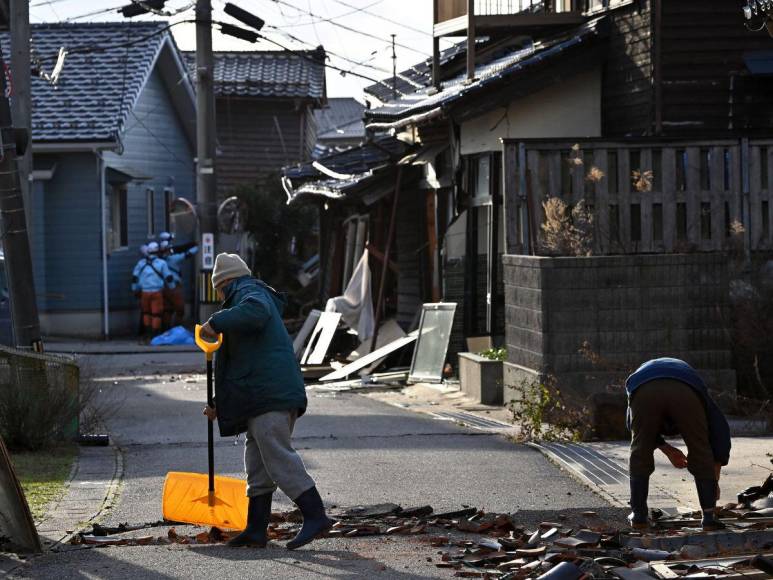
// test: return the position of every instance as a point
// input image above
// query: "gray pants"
(269, 457)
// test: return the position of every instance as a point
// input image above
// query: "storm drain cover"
(472, 420)
(586, 462)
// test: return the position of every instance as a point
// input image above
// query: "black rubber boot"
(707, 497)
(315, 520)
(258, 515)
(638, 518)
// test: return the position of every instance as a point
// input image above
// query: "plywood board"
(303, 334)
(320, 339)
(369, 358)
(16, 522)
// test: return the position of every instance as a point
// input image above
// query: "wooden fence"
(645, 196)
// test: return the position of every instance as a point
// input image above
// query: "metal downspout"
(103, 231)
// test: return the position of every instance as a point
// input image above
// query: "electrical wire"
(349, 28)
(384, 18)
(165, 13)
(317, 21)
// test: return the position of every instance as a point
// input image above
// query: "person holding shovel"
(666, 396)
(259, 391)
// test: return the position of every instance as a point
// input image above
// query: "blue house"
(113, 144)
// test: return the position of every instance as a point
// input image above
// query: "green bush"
(498, 354)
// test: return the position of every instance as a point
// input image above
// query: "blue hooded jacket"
(678, 370)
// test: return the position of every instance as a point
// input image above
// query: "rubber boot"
(707, 497)
(638, 518)
(255, 534)
(315, 520)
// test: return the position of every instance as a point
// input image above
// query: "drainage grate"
(587, 463)
(472, 420)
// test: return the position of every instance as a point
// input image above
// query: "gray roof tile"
(270, 73)
(341, 118)
(96, 90)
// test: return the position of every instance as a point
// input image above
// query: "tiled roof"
(508, 63)
(357, 166)
(418, 76)
(96, 90)
(270, 73)
(341, 118)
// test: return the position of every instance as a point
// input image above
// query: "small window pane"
(635, 222)
(681, 221)
(705, 221)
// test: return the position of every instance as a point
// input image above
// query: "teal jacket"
(255, 369)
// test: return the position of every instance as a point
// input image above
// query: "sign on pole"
(207, 251)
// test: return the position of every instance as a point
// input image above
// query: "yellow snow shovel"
(195, 498)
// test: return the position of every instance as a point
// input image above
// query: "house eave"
(73, 146)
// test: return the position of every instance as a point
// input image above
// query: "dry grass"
(567, 231)
(43, 475)
(642, 180)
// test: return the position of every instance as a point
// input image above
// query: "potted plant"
(481, 375)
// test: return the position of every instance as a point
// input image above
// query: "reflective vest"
(151, 274)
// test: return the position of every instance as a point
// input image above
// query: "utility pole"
(394, 69)
(16, 243)
(21, 100)
(206, 183)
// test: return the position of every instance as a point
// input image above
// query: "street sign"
(207, 251)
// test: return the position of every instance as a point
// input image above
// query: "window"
(118, 236)
(168, 199)
(150, 196)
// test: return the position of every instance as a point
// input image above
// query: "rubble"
(477, 544)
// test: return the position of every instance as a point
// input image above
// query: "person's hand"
(675, 456)
(208, 332)
(210, 412)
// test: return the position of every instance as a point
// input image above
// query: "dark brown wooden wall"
(249, 140)
(627, 101)
(705, 86)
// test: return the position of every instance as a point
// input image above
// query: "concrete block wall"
(628, 309)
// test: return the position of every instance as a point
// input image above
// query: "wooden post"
(470, 40)
(387, 255)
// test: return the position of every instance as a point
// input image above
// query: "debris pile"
(475, 544)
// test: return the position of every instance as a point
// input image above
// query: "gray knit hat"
(228, 266)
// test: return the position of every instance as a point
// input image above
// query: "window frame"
(150, 208)
(119, 219)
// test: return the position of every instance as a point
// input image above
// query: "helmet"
(144, 249)
(153, 248)
(163, 245)
(165, 237)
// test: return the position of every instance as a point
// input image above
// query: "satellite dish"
(182, 220)
(232, 216)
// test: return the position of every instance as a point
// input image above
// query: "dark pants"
(661, 402)
(174, 305)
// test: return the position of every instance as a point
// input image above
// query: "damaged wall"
(627, 308)
(569, 108)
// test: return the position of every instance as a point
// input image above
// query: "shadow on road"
(336, 563)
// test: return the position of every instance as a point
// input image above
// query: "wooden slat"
(755, 203)
(717, 169)
(578, 179)
(510, 201)
(669, 198)
(554, 187)
(536, 197)
(601, 202)
(693, 195)
(624, 198)
(646, 244)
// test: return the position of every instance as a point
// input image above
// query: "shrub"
(498, 354)
(541, 413)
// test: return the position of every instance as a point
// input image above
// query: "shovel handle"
(208, 347)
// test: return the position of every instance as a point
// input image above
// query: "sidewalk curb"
(86, 500)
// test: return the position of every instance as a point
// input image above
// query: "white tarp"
(356, 305)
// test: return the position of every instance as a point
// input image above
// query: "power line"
(384, 18)
(349, 28)
(317, 21)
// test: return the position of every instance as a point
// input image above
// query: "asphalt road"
(359, 451)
